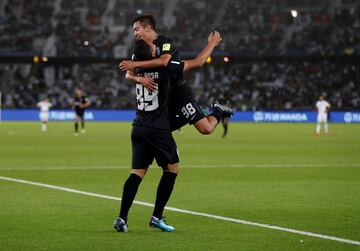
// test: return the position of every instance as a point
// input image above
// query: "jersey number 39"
(146, 100)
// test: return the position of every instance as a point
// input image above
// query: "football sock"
(225, 130)
(326, 128)
(217, 113)
(129, 191)
(76, 127)
(318, 128)
(164, 191)
(82, 124)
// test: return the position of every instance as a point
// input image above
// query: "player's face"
(78, 93)
(140, 32)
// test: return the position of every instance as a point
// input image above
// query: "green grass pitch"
(276, 174)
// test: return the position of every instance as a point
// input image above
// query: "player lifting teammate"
(183, 107)
(151, 139)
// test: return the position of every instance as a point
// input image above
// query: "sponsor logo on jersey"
(166, 47)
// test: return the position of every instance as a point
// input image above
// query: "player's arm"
(328, 108)
(162, 61)
(87, 103)
(147, 82)
(213, 40)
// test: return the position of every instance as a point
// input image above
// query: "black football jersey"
(152, 107)
(166, 45)
(79, 101)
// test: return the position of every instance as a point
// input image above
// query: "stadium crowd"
(102, 29)
(248, 86)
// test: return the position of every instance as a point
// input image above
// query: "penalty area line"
(213, 216)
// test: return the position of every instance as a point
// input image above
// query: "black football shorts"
(80, 113)
(149, 144)
(183, 108)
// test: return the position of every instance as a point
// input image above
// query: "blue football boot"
(160, 224)
(120, 225)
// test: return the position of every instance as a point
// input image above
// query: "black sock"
(130, 189)
(225, 129)
(217, 113)
(82, 124)
(76, 127)
(164, 191)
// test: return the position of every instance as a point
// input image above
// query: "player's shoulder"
(163, 39)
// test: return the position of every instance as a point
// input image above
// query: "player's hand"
(127, 65)
(214, 38)
(148, 83)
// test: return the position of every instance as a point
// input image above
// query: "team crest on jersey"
(166, 47)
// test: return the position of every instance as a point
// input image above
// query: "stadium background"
(280, 186)
(275, 55)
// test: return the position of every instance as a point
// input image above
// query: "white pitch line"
(213, 216)
(186, 166)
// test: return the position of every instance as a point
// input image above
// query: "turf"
(278, 174)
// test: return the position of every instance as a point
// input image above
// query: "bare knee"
(203, 128)
(172, 168)
(139, 172)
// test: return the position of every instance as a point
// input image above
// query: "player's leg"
(318, 125)
(225, 123)
(163, 194)
(165, 188)
(216, 114)
(326, 126)
(43, 117)
(130, 189)
(44, 126)
(206, 125)
(141, 159)
(166, 157)
(82, 124)
(76, 125)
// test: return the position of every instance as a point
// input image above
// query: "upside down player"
(80, 103)
(151, 139)
(183, 107)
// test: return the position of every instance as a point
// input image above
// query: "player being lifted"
(183, 107)
(81, 102)
(44, 113)
(322, 108)
(151, 128)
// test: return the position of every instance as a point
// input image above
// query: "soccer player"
(183, 107)
(151, 139)
(323, 108)
(81, 102)
(44, 113)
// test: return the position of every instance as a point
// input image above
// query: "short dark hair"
(145, 20)
(142, 50)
